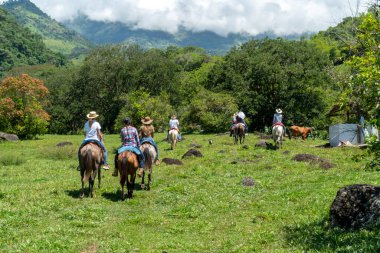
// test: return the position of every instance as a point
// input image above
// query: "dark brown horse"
(150, 156)
(90, 160)
(127, 164)
(239, 133)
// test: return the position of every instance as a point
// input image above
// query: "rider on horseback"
(174, 124)
(130, 142)
(240, 119)
(277, 118)
(93, 134)
(146, 134)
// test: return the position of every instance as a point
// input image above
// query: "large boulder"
(8, 137)
(356, 206)
(192, 152)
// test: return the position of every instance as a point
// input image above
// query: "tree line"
(306, 78)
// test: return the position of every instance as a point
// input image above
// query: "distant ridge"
(78, 36)
(100, 32)
(20, 47)
(56, 36)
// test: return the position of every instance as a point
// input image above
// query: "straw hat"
(278, 110)
(92, 115)
(147, 120)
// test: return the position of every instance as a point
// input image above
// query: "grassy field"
(201, 206)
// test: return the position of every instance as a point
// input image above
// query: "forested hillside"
(315, 81)
(56, 37)
(19, 46)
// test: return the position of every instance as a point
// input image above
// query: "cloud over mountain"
(219, 16)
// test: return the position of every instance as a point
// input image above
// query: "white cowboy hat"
(147, 120)
(278, 110)
(92, 115)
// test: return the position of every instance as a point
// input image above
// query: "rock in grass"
(323, 163)
(8, 137)
(356, 206)
(171, 161)
(192, 152)
(248, 181)
(64, 143)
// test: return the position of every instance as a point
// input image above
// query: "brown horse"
(239, 133)
(150, 156)
(127, 164)
(90, 160)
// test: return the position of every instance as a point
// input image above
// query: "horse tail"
(147, 156)
(88, 165)
(150, 156)
(123, 169)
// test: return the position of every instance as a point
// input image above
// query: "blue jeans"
(105, 153)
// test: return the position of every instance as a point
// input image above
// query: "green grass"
(200, 206)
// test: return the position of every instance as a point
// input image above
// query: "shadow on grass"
(76, 193)
(116, 196)
(113, 196)
(319, 236)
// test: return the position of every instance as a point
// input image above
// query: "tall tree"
(266, 74)
(21, 106)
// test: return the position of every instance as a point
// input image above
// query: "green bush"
(140, 104)
(209, 112)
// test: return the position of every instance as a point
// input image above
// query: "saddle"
(93, 142)
(278, 124)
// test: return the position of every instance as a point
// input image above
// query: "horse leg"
(82, 190)
(99, 177)
(130, 189)
(133, 179)
(122, 192)
(91, 187)
(142, 180)
(149, 180)
(122, 182)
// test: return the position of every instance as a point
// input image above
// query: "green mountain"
(19, 46)
(55, 36)
(116, 32)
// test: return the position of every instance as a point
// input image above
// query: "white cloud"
(220, 16)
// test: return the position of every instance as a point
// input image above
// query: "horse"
(297, 131)
(150, 155)
(127, 165)
(173, 137)
(239, 133)
(90, 159)
(278, 134)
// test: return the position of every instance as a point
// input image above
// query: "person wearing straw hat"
(93, 133)
(146, 134)
(277, 118)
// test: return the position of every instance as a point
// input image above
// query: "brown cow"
(297, 131)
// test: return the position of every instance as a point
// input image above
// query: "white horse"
(173, 137)
(150, 156)
(278, 132)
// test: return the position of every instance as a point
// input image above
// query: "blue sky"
(220, 16)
